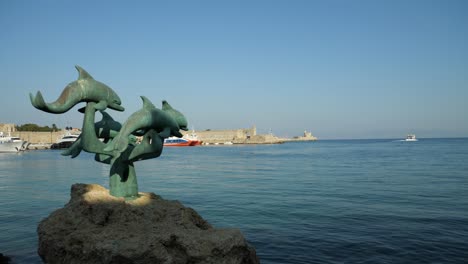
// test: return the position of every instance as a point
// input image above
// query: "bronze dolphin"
(178, 116)
(149, 117)
(85, 89)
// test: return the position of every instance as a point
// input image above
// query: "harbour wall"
(235, 136)
(209, 136)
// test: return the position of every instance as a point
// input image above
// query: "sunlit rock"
(95, 227)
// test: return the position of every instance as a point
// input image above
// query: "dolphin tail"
(38, 101)
(74, 150)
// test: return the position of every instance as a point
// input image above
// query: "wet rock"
(4, 259)
(95, 227)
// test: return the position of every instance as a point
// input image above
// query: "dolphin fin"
(106, 116)
(147, 104)
(166, 105)
(165, 133)
(82, 73)
(102, 105)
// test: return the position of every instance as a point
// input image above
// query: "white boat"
(12, 144)
(193, 138)
(65, 141)
(177, 142)
(185, 141)
(411, 137)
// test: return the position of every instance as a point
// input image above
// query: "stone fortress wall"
(32, 137)
(39, 137)
(224, 136)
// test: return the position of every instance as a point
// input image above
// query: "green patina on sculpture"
(112, 142)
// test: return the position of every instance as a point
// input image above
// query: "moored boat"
(193, 138)
(12, 144)
(65, 141)
(179, 142)
(186, 141)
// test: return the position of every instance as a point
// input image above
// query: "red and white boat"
(185, 141)
(178, 142)
(193, 138)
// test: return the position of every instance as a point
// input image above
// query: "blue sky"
(340, 69)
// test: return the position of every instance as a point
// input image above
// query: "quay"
(39, 146)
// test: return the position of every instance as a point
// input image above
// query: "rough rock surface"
(4, 259)
(95, 227)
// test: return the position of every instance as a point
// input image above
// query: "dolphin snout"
(117, 107)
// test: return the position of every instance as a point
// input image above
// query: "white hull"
(12, 146)
(65, 141)
(411, 137)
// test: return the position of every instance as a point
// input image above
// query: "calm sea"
(354, 201)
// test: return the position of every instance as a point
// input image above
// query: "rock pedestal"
(95, 227)
(4, 259)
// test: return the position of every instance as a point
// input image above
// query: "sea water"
(351, 201)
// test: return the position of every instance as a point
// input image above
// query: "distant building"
(7, 128)
(307, 134)
(306, 137)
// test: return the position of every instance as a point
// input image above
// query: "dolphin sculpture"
(85, 89)
(151, 146)
(149, 117)
(107, 129)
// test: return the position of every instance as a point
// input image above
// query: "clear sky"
(340, 69)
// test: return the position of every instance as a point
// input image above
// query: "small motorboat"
(411, 137)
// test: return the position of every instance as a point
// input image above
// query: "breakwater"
(245, 136)
(235, 136)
